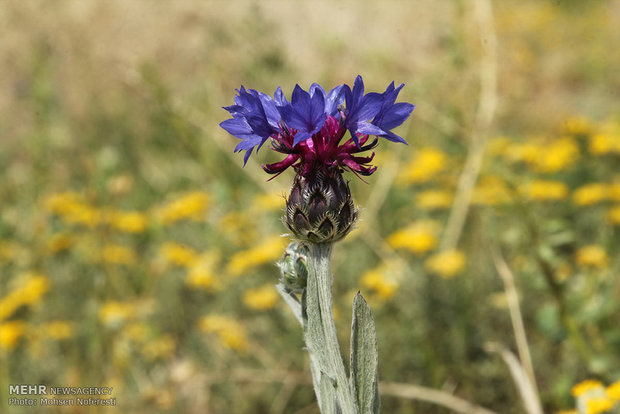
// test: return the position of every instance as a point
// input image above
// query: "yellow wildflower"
(419, 237)
(127, 221)
(58, 330)
(60, 242)
(585, 386)
(556, 155)
(613, 391)
(591, 194)
(604, 143)
(433, 199)
(32, 288)
(238, 227)
(269, 250)
(578, 125)
(264, 297)
(542, 190)
(61, 203)
(383, 280)
(192, 206)
(201, 273)
(113, 313)
(592, 256)
(268, 202)
(426, 164)
(117, 254)
(159, 348)
(178, 254)
(230, 332)
(138, 332)
(598, 405)
(446, 264)
(491, 191)
(527, 152)
(10, 333)
(71, 208)
(613, 215)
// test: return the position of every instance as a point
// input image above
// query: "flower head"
(309, 129)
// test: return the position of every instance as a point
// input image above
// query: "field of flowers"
(136, 251)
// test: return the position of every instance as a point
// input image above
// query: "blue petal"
(271, 111)
(279, 97)
(236, 126)
(301, 136)
(335, 97)
(369, 107)
(316, 87)
(396, 115)
(366, 128)
(393, 137)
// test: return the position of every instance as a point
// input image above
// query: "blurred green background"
(137, 253)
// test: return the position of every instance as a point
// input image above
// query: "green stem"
(320, 331)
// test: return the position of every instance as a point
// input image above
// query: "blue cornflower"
(309, 128)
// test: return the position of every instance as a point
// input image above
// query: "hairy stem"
(320, 331)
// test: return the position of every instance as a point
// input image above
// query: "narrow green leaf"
(364, 357)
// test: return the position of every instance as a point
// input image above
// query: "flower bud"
(293, 267)
(320, 207)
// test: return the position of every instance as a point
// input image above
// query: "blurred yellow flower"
(238, 227)
(425, 165)
(58, 330)
(230, 332)
(159, 348)
(113, 313)
(268, 250)
(419, 237)
(523, 152)
(60, 242)
(446, 264)
(433, 199)
(201, 274)
(10, 333)
(261, 298)
(117, 254)
(542, 190)
(604, 143)
(613, 391)
(585, 386)
(192, 206)
(71, 208)
(178, 254)
(127, 221)
(30, 291)
(268, 202)
(556, 155)
(61, 203)
(383, 280)
(138, 332)
(591, 194)
(598, 405)
(578, 125)
(491, 191)
(545, 156)
(592, 256)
